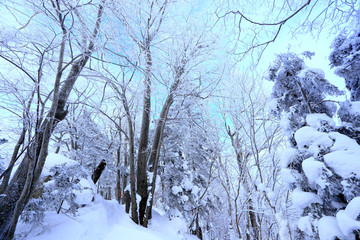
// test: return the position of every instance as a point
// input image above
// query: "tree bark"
(124, 181)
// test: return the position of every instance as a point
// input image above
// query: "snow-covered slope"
(97, 220)
(103, 220)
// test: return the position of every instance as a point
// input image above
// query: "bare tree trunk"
(118, 156)
(27, 175)
(124, 181)
(144, 137)
(134, 213)
(118, 189)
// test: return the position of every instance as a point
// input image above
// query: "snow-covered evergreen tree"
(345, 58)
(187, 169)
(321, 167)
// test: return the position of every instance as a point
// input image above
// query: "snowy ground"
(103, 220)
(99, 219)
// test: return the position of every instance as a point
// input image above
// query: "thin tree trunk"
(124, 181)
(134, 213)
(118, 156)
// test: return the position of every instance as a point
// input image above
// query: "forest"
(180, 119)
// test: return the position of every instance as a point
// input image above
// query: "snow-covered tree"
(345, 58)
(187, 167)
(320, 167)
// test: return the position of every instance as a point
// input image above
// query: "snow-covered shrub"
(64, 187)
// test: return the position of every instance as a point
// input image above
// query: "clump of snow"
(184, 198)
(346, 224)
(195, 190)
(353, 208)
(303, 199)
(344, 163)
(343, 142)
(311, 140)
(329, 229)
(355, 107)
(176, 189)
(346, 219)
(287, 176)
(288, 156)
(311, 71)
(313, 171)
(304, 224)
(186, 184)
(285, 125)
(319, 121)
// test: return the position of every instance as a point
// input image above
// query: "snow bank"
(105, 220)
